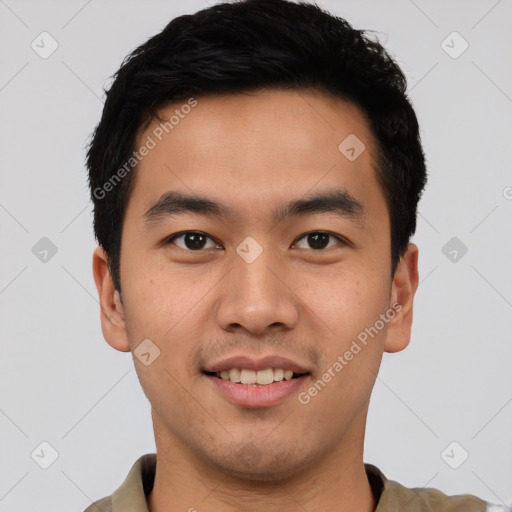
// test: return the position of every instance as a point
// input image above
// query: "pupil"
(193, 240)
(316, 240)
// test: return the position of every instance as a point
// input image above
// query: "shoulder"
(132, 493)
(102, 505)
(438, 501)
(392, 495)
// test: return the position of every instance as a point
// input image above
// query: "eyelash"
(171, 239)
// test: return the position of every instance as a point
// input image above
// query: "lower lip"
(251, 395)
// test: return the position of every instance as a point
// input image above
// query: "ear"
(403, 288)
(112, 311)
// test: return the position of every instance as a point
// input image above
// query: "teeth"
(234, 375)
(261, 377)
(265, 376)
(247, 376)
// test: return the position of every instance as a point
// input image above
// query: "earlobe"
(403, 288)
(111, 308)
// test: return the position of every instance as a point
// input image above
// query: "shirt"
(390, 496)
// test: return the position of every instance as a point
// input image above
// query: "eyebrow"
(337, 201)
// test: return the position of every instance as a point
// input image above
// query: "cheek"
(155, 299)
(167, 308)
(347, 301)
(352, 350)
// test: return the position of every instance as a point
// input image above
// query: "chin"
(261, 473)
(252, 463)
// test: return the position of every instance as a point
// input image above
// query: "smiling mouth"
(256, 378)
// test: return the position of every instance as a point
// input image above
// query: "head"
(253, 106)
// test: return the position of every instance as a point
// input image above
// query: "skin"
(253, 152)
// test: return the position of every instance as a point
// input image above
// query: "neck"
(336, 481)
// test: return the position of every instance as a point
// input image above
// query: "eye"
(319, 240)
(196, 241)
(192, 240)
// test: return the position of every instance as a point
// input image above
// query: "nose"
(257, 296)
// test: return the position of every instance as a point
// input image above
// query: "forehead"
(253, 150)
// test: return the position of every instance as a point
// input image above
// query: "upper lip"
(256, 363)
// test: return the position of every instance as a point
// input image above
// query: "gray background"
(60, 381)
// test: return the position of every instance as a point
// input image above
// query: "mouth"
(249, 377)
(256, 389)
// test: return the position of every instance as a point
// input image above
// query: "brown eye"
(192, 240)
(319, 240)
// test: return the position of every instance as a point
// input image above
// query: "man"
(255, 178)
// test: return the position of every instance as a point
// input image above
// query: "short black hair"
(244, 46)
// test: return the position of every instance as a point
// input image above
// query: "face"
(261, 281)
